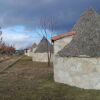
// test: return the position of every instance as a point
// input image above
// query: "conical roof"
(44, 46)
(87, 39)
(34, 45)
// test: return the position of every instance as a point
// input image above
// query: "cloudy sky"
(19, 18)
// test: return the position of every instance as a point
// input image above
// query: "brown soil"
(27, 80)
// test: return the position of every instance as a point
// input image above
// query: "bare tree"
(4, 48)
(0, 40)
(0, 36)
(46, 29)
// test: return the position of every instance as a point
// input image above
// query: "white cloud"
(15, 37)
(19, 37)
(19, 40)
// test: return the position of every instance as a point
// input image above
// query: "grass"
(27, 80)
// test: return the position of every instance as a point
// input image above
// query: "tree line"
(4, 48)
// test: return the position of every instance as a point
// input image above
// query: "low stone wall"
(79, 72)
(25, 52)
(40, 57)
(29, 52)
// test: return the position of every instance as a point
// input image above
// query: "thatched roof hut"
(87, 38)
(43, 52)
(78, 63)
(30, 50)
(33, 46)
(44, 46)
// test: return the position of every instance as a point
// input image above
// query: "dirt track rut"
(8, 63)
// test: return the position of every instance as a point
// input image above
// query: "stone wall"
(41, 57)
(25, 53)
(60, 44)
(79, 72)
(30, 52)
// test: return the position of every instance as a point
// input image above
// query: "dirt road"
(27, 80)
(7, 63)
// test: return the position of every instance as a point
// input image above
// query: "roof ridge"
(43, 46)
(60, 36)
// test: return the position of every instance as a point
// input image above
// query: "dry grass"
(27, 80)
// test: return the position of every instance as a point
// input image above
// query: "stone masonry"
(77, 71)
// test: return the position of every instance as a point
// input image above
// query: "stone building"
(43, 49)
(29, 51)
(61, 40)
(78, 63)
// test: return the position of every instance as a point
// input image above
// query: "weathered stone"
(79, 72)
(41, 57)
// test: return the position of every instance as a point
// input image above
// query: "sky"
(20, 19)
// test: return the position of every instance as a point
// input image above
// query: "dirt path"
(6, 64)
(4, 59)
(27, 80)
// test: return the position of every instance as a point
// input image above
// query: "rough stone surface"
(44, 46)
(87, 38)
(29, 52)
(79, 72)
(78, 62)
(41, 57)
